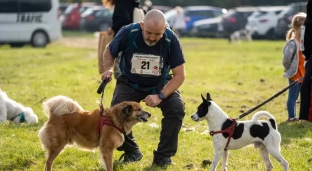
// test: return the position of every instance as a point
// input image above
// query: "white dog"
(263, 134)
(15, 112)
(239, 35)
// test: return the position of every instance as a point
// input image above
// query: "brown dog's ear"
(127, 110)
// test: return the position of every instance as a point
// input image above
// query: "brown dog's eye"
(139, 109)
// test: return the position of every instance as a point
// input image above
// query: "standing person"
(305, 92)
(139, 81)
(148, 5)
(123, 15)
(179, 22)
(293, 62)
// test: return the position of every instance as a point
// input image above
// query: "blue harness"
(131, 43)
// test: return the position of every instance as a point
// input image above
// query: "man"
(144, 78)
(306, 89)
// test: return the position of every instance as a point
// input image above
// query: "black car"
(206, 28)
(235, 19)
(96, 19)
(285, 17)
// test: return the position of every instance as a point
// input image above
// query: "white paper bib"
(145, 64)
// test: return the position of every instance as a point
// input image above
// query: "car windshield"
(102, 13)
(286, 12)
(69, 9)
(229, 13)
(87, 12)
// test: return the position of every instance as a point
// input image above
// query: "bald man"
(145, 68)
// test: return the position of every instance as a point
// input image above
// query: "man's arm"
(108, 64)
(176, 81)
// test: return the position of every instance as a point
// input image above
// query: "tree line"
(219, 3)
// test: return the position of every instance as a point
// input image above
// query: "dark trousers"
(173, 113)
(306, 94)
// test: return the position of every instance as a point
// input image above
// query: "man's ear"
(142, 25)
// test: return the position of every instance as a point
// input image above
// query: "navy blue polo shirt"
(168, 60)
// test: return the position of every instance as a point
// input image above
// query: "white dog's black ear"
(127, 110)
(203, 97)
(208, 97)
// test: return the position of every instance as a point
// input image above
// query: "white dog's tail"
(266, 114)
(60, 105)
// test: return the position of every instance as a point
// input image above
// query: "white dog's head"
(30, 116)
(203, 109)
(27, 116)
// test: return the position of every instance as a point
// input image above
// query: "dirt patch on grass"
(79, 42)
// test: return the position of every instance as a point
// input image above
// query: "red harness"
(229, 130)
(105, 120)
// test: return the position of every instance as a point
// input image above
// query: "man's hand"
(107, 74)
(152, 100)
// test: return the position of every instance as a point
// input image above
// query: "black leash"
(271, 98)
(101, 90)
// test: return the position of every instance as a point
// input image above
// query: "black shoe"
(165, 161)
(131, 156)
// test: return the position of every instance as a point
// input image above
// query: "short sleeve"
(176, 56)
(119, 41)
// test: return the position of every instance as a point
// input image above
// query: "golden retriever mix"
(68, 123)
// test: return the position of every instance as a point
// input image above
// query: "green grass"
(73, 33)
(238, 77)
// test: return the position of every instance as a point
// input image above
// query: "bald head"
(155, 18)
(153, 27)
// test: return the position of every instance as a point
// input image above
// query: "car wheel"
(103, 27)
(39, 39)
(270, 34)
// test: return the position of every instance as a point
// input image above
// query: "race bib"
(145, 64)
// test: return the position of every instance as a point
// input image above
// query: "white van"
(29, 21)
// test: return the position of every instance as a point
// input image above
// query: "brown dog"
(68, 123)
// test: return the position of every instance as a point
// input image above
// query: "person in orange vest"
(293, 62)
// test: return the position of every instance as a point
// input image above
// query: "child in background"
(293, 62)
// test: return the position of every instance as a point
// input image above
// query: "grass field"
(238, 77)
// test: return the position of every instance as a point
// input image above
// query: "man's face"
(151, 33)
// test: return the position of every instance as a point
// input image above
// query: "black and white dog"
(263, 134)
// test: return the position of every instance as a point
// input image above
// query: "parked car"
(235, 19)
(63, 6)
(194, 13)
(163, 9)
(34, 22)
(96, 19)
(72, 14)
(285, 17)
(206, 28)
(262, 22)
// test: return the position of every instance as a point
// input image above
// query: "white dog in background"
(239, 35)
(15, 112)
(263, 134)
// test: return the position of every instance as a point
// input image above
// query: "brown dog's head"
(127, 114)
(132, 111)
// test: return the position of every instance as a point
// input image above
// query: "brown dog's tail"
(60, 105)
